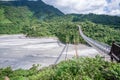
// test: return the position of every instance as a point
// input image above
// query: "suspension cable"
(66, 51)
(60, 54)
(98, 45)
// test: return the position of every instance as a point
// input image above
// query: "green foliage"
(67, 32)
(10, 29)
(18, 74)
(98, 19)
(18, 15)
(3, 18)
(82, 69)
(75, 69)
(13, 19)
(1, 15)
(20, 18)
(39, 8)
(102, 33)
(19, 78)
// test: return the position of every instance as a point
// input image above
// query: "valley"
(40, 42)
(17, 51)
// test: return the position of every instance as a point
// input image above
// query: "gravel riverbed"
(18, 51)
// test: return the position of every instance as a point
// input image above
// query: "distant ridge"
(39, 8)
(99, 19)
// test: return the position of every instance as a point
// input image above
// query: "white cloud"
(114, 7)
(115, 12)
(80, 4)
(110, 7)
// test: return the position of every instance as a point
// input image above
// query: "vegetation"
(15, 15)
(102, 33)
(34, 20)
(68, 31)
(40, 9)
(99, 19)
(41, 20)
(75, 69)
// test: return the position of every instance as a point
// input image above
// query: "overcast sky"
(111, 7)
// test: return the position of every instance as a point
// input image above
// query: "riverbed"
(17, 51)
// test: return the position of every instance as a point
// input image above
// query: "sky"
(109, 7)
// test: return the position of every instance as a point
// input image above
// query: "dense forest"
(39, 8)
(20, 17)
(100, 19)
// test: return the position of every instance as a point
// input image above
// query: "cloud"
(114, 7)
(110, 7)
(16, 0)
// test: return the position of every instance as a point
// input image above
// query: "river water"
(17, 51)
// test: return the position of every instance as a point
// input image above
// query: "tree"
(2, 16)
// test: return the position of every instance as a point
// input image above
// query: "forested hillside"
(13, 19)
(67, 31)
(14, 15)
(36, 19)
(98, 19)
(39, 8)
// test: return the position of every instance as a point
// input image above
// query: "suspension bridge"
(102, 47)
(112, 52)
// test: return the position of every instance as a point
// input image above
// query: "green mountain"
(14, 15)
(39, 8)
(99, 19)
(37, 19)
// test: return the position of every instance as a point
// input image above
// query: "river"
(17, 51)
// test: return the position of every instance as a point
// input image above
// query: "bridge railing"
(98, 45)
(115, 52)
